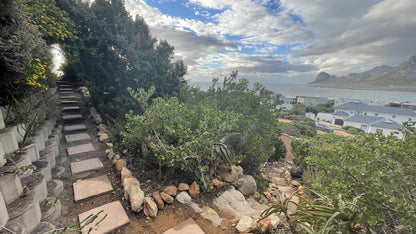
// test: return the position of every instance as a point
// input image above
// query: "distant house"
(387, 127)
(325, 117)
(362, 122)
(409, 105)
(311, 101)
(396, 114)
(287, 103)
(339, 116)
(310, 115)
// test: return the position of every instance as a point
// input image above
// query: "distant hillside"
(400, 78)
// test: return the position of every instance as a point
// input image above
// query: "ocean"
(293, 90)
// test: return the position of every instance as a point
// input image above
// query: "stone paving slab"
(68, 97)
(74, 128)
(66, 92)
(91, 187)
(79, 149)
(86, 165)
(116, 217)
(65, 89)
(72, 117)
(64, 86)
(186, 227)
(66, 102)
(77, 137)
(70, 108)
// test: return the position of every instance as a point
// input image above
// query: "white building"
(387, 127)
(362, 122)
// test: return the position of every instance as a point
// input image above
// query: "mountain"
(400, 78)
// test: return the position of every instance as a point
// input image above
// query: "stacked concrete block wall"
(20, 209)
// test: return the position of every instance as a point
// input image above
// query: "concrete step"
(73, 118)
(77, 137)
(26, 211)
(86, 165)
(75, 128)
(68, 97)
(91, 187)
(71, 109)
(69, 102)
(79, 149)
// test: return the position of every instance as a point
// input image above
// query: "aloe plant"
(318, 214)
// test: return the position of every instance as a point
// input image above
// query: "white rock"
(233, 200)
(183, 197)
(195, 207)
(245, 224)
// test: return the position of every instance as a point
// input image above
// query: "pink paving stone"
(186, 227)
(116, 217)
(86, 165)
(77, 137)
(91, 187)
(79, 149)
(76, 127)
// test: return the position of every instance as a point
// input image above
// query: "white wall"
(357, 125)
(396, 118)
(387, 132)
(310, 115)
(325, 117)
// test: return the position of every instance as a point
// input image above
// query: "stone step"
(70, 118)
(68, 97)
(77, 137)
(116, 217)
(75, 128)
(186, 227)
(71, 108)
(86, 165)
(91, 187)
(79, 149)
(67, 93)
(65, 86)
(69, 102)
(65, 89)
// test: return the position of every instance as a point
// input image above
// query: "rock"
(211, 215)
(171, 190)
(158, 199)
(226, 213)
(120, 164)
(218, 183)
(124, 174)
(296, 172)
(245, 224)
(264, 225)
(116, 157)
(166, 197)
(110, 154)
(133, 193)
(149, 207)
(295, 183)
(229, 174)
(104, 137)
(292, 206)
(194, 189)
(233, 200)
(278, 181)
(195, 207)
(95, 117)
(274, 219)
(249, 186)
(183, 187)
(183, 197)
(102, 128)
(109, 145)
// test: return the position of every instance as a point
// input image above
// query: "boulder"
(249, 186)
(120, 164)
(158, 199)
(183, 187)
(110, 154)
(295, 183)
(264, 225)
(218, 183)
(195, 207)
(229, 174)
(133, 193)
(171, 190)
(104, 137)
(233, 200)
(149, 207)
(124, 174)
(183, 197)
(166, 197)
(95, 117)
(227, 213)
(296, 172)
(209, 214)
(245, 224)
(278, 181)
(194, 189)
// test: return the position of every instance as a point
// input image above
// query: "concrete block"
(8, 140)
(4, 215)
(38, 139)
(52, 146)
(91, 187)
(2, 159)
(22, 159)
(10, 184)
(86, 165)
(45, 133)
(37, 185)
(2, 125)
(32, 151)
(79, 149)
(19, 131)
(75, 128)
(43, 168)
(50, 210)
(26, 211)
(15, 228)
(48, 156)
(77, 137)
(55, 188)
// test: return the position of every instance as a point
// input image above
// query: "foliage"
(80, 226)
(176, 136)
(353, 130)
(322, 108)
(381, 168)
(114, 51)
(305, 128)
(319, 214)
(280, 150)
(23, 54)
(53, 23)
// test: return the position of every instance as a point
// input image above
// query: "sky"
(286, 41)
